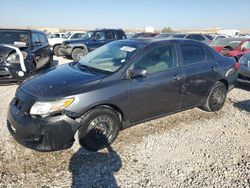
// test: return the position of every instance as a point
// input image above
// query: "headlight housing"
(14, 57)
(45, 108)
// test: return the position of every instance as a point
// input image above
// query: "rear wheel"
(78, 53)
(56, 50)
(99, 129)
(216, 97)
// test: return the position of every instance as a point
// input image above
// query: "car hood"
(61, 81)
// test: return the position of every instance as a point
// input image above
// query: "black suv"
(22, 52)
(91, 40)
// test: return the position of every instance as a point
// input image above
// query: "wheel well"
(225, 82)
(81, 47)
(113, 107)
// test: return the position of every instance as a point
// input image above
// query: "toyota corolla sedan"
(116, 86)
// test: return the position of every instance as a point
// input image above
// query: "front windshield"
(109, 58)
(14, 38)
(232, 42)
(87, 35)
(67, 35)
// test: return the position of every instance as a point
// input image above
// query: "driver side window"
(246, 45)
(99, 35)
(158, 59)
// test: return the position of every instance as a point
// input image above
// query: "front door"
(160, 91)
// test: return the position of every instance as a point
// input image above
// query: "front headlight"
(14, 57)
(44, 108)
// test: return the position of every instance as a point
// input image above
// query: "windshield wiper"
(89, 69)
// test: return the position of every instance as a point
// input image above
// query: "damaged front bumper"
(11, 73)
(41, 134)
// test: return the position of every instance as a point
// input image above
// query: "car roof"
(23, 30)
(150, 41)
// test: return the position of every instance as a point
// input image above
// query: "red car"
(233, 47)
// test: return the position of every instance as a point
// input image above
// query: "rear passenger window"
(158, 59)
(193, 54)
(35, 38)
(43, 39)
(109, 35)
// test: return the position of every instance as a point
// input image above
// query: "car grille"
(4, 73)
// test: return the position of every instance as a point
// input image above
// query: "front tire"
(78, 53)
(216, 97)
(99, 128)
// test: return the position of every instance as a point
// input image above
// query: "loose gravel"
(189, 149)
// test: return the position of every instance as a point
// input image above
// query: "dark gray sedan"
(116, 86)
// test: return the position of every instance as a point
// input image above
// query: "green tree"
(167, 30)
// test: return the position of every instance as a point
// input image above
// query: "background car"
(199, 37)
(76, 49)
(35, 54)
(244, 70)
(216, 37)
(144, 35)
(233, 47)
(162, 36)
(55, 43)
(55, 35)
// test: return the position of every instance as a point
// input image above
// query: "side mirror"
(37, 43)
(137, 72)
(243, 49)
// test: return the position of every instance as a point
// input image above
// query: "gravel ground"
(188, 149)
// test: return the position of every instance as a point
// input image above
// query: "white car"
(220, 37)
(55, 35)
(55, 43)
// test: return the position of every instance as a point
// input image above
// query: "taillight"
(236, 66)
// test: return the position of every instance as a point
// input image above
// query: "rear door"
(160, 91)
(200, 71)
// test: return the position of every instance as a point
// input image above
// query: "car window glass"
(119, 35)
(35, 38)
(99, 35)
(193, 54)
(77, 35)
(210, 57)
(109, 35)
(43, 39)
(196, 37)
(157, 60)
(246, 45)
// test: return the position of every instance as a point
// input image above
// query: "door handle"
(177, 77)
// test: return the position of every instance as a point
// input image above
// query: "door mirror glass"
(138, 72)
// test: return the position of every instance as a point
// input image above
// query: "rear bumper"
(41, 134)
(9, 73)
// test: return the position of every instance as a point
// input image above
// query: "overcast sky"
(179, 14)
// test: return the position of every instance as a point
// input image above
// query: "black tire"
(56, 50)
(32, 70)
(99, 128)
(216, 98)
(78, 53)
